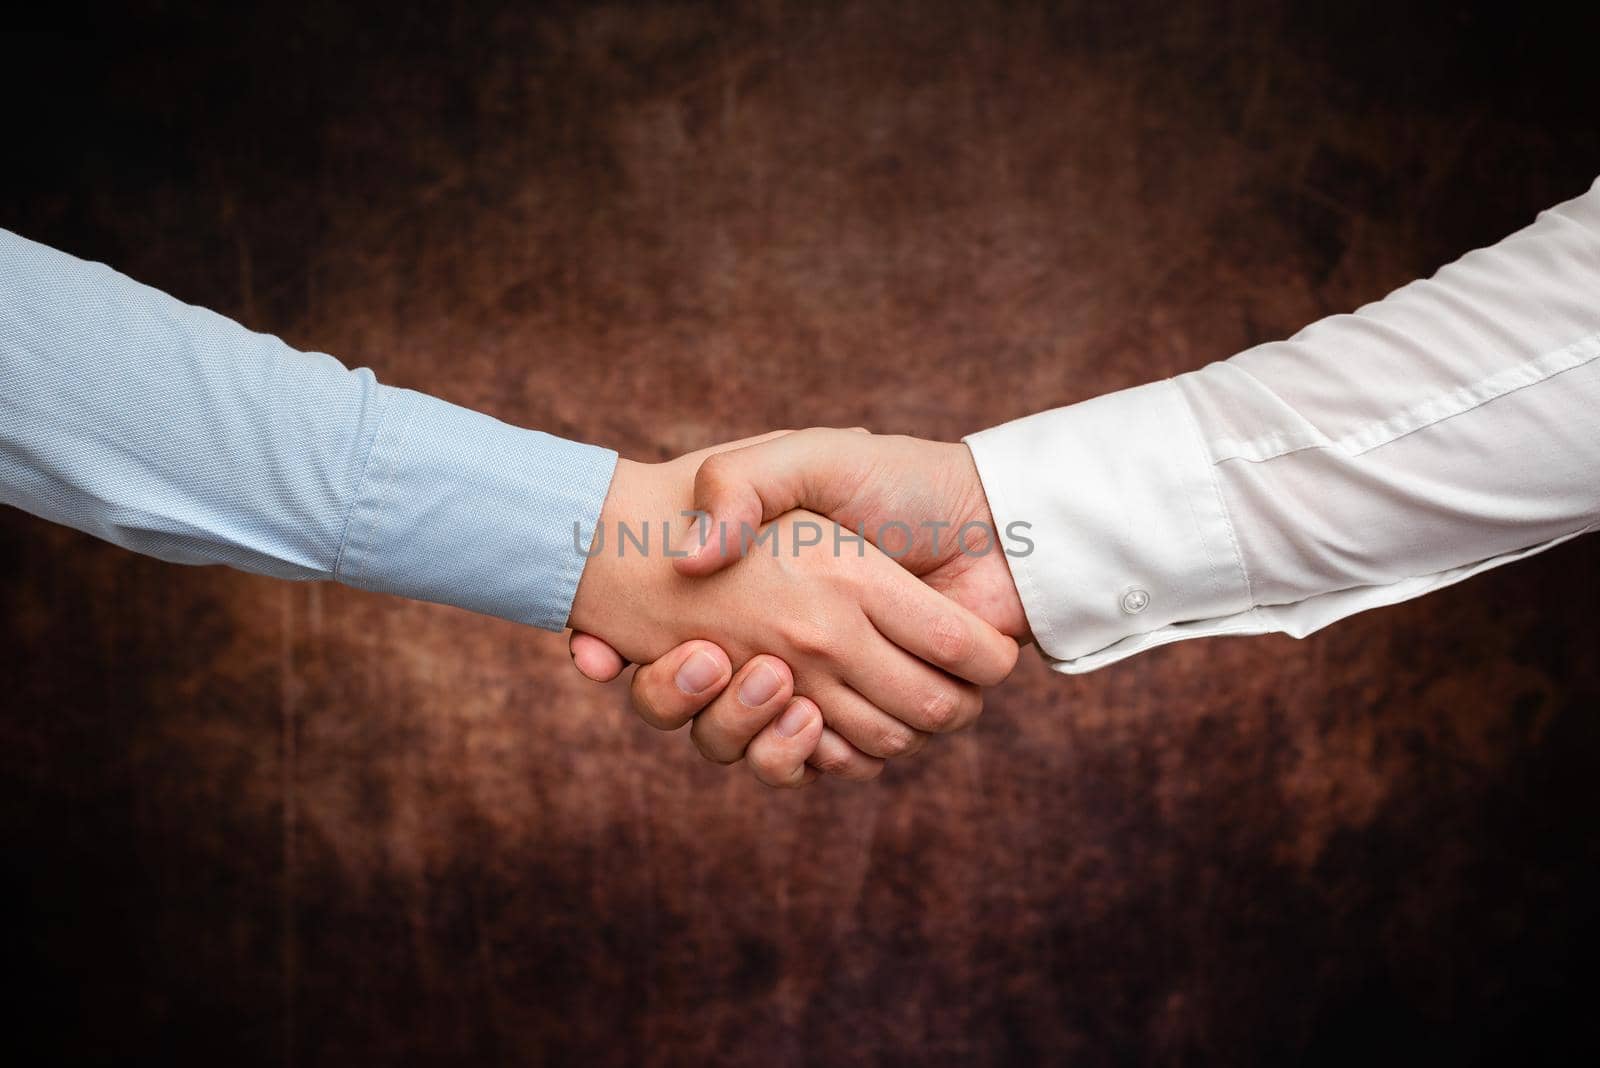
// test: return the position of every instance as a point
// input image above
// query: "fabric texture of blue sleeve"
(178, 433)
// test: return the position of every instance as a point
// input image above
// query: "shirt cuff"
(459, 508)
(1131, 541)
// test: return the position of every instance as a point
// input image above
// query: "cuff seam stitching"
(372, 471)
(1222, 504)
(999, 502)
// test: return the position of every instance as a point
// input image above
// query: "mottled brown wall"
(247, 821)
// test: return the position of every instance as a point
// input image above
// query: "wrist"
(601, 582)
(624, 594)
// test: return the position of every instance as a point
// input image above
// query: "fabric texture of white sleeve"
(1451, 427)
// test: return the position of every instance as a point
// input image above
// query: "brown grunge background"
(257, 822)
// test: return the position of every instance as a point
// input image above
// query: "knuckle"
(716, 471)
(812, 638)
(896, 741)
(711, 744)
(949, 639)
(789, 780)
(944, 709)
(919, 742)
(868, 771)
(773, 772)
(971, 708)
(716, 756)
(648, 708)
(832, 763)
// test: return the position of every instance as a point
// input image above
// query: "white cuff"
(1130, 535)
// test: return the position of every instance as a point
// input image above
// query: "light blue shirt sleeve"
(175, 432)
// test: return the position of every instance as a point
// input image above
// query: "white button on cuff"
(1135, 599)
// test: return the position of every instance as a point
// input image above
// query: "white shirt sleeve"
(1449, 428)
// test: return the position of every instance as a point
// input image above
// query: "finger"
(837, 757)
(740, 489)
(739, 443)
(777, 756)
(929, 625)
(865, 726)
(759, 693)
(915, 692)
(593, 658)
(668, 692)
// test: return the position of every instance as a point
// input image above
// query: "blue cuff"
(459, 508)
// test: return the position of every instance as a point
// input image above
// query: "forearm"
(178, 433)
(1451, 427)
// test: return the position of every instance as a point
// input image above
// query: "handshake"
(815, 601)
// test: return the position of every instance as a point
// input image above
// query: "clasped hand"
(815, 652)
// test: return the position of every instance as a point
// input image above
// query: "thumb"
(739, 490)
(594, 658)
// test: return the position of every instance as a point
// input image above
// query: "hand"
(860, 480)
(920, 501)
(735, 718)
(867, 643)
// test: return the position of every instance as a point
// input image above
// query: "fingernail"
(761, 687)
(794, 719)
(704, 530)
(698, 673)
